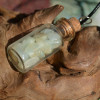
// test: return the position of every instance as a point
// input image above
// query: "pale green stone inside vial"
(35, 48)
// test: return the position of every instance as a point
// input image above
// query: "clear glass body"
(35, 47)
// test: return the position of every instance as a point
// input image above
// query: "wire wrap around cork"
(69, 27)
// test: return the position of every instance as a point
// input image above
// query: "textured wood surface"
(73, 73)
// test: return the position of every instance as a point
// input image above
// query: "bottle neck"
(68, 27)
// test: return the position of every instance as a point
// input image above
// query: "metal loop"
(84, 17)
(90, 15)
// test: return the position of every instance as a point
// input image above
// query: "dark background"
(24, 6)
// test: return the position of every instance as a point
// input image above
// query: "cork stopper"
(75, 23)
(68, 27)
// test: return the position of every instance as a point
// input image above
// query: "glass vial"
(39, 44)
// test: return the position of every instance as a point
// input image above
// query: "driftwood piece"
(71, 74)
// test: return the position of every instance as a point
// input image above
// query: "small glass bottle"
(41, 43)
